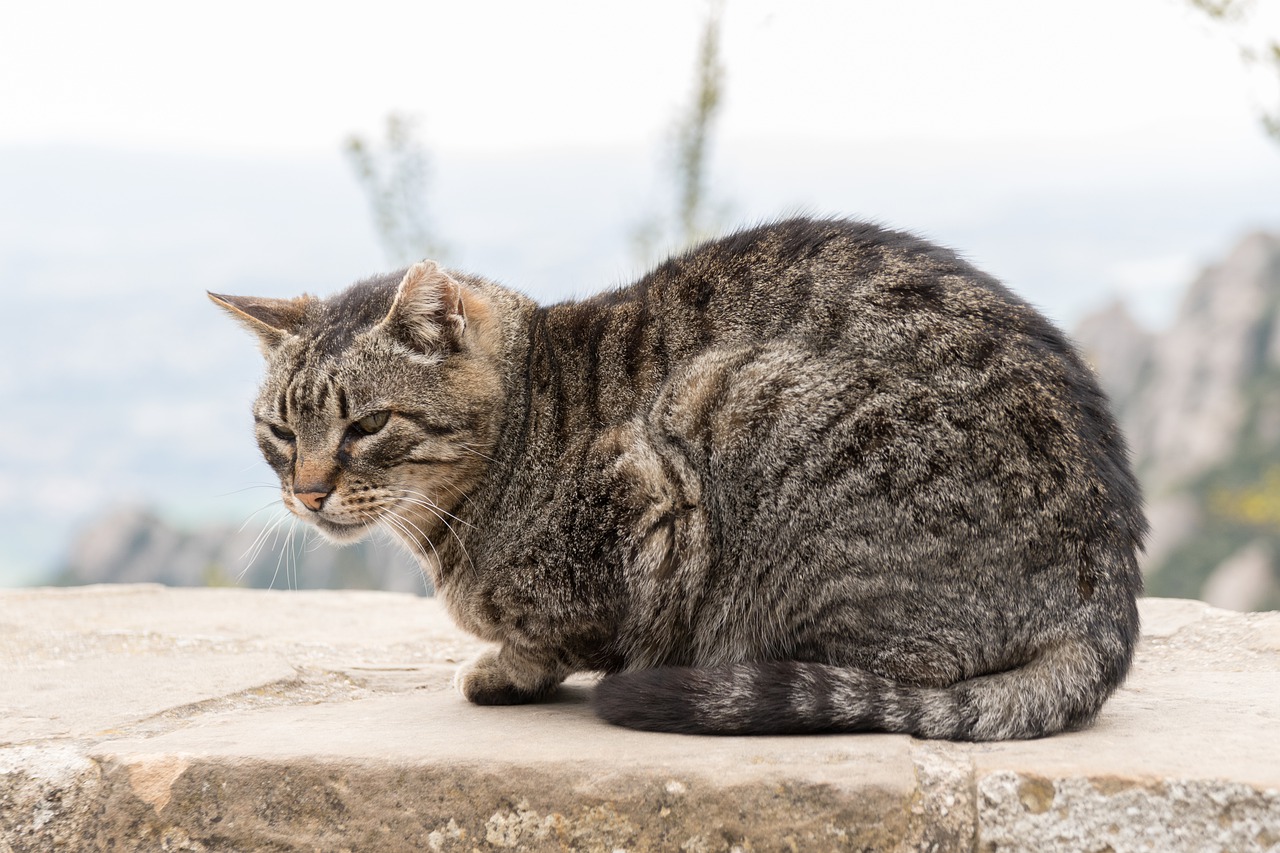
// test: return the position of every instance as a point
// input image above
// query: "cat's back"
(870, 300)
(829, 283)
(805, 334)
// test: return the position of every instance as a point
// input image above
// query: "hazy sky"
(291, 77)
(923, 113)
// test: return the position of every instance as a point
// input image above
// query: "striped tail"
(1062, 688)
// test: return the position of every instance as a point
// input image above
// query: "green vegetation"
(694, 219)
(1238, 501)
(1260, 54)
(216, 575)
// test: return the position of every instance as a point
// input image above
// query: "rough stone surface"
(146, 718)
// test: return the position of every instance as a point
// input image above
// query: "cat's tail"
(1062, 688)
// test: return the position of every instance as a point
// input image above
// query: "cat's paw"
(488, 680)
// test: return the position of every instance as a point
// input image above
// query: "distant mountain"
(132, 546)
(1200, 404)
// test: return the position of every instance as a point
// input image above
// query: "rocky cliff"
(1200, 404)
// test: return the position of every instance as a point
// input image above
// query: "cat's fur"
(816, 476)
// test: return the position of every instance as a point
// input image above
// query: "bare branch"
(1235, 17)
(693, 219)
(394, 177)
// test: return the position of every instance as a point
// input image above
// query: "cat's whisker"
(433, 505)
(475, 452)
(385, 529)
(260, 541)
(392, 524)
(312, 542)
(435, 510)
(280, 558)
(462, 545)
(384, 524)
(449, 487)
(293, 555)
(251, 553)
(395, 518)
(287, 552)
(391, 512)
(462, 496)
(265, 506)
(248, 488)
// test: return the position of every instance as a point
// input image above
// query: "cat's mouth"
(339, 531)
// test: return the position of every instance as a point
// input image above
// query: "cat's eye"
(370, 424)
(281, 432)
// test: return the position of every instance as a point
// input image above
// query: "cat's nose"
(313, 495)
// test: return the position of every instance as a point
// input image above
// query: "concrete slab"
(141, 717)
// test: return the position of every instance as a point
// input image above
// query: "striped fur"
(815, 476)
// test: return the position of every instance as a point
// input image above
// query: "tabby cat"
(815, 476)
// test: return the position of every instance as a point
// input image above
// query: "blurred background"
(1118, 164)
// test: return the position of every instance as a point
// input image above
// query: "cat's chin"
(343, 534)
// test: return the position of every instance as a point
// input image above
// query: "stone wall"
(146, 718)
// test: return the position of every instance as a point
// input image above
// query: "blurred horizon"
(1081, 152)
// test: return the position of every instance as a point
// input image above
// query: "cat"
(815, 476)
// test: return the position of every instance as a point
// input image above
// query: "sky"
(976, 102)
(289, 77)
(1077, 149)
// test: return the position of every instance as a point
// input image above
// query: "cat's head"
(380, 404)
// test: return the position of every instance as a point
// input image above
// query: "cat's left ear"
(272, 320)
(428, 309)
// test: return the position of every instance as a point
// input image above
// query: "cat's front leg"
(508, 676)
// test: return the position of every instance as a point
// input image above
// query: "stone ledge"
(140, 717)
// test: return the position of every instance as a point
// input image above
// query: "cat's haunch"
(815, 476)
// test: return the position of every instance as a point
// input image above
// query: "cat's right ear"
(272, 320)
(428, 310)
